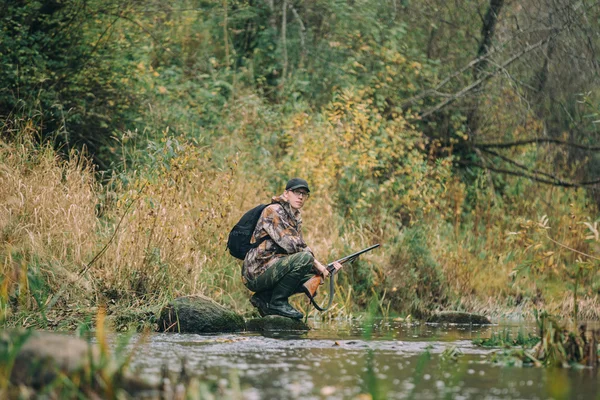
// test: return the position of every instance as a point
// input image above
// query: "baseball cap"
(297, 183)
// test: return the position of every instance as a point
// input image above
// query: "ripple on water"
(336, 362)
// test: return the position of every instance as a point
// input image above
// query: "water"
(335, 361)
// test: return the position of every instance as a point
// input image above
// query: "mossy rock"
(198, 314)
(274, 323)
(461, 318)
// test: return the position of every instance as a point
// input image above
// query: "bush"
(60, 67)
(415, 280)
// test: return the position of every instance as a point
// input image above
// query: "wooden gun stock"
(311, 285)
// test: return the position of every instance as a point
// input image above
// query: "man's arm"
(282, 232)
(288, 237)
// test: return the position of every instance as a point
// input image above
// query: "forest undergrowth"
(134, 135)
(135, 240)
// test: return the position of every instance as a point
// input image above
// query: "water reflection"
(336, 361)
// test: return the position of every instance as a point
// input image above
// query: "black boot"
(279, 299)
(260, 300)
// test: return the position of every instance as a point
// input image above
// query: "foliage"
(423, 286)
(195, 111)
(555, 346)
(60, 66)
(507, 339)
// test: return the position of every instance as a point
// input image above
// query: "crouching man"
(278, 267)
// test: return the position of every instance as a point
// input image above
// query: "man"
(278, 267)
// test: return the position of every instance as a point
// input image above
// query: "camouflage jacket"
(283, 225)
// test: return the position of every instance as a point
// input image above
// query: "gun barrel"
(351, 257)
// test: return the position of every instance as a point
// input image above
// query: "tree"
(59, 67)
(542, 53)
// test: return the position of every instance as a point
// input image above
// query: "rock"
(273, 323)
(454, 317)
(45, 358)
(198, 314)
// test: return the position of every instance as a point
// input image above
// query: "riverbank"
(71, 243)
(129, 150)
(144, 318)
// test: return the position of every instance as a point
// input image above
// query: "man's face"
(297, 197)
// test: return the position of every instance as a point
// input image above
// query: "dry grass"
(173, 218)
(500, 251)
(163, 235)
(47, 218)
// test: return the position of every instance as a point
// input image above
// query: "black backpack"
(239, 238)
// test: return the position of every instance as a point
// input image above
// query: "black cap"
(297, 183)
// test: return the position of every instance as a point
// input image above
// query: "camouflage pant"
(299, 265)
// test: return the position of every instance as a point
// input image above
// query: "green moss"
(272, 323)
(198, 314)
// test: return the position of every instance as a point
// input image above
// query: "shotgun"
(310, 286)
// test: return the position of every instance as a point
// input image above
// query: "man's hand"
(337, 266)
(323, 269)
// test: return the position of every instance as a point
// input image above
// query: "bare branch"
(486, 57)
(518, 165)
(555, 182)
(483, 79)
(535, 141)
(434, 90)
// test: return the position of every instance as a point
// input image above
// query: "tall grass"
(157, 230)
(70, 243)
(496, 261)
(48, 223)
(159, 236)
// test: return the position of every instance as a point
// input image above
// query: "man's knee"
(303, 260)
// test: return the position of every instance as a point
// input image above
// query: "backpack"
(238, 242)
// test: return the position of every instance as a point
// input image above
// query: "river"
(356, 360)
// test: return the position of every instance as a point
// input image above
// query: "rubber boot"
(260, 300)
(279, 299)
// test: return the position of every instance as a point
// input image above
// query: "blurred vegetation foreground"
(463, 136)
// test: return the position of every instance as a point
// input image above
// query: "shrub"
(415, 280)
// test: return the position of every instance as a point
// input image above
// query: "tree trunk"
(284, 42)
(487, 33)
